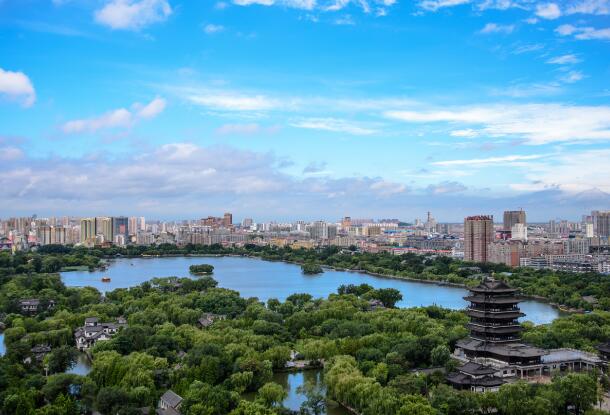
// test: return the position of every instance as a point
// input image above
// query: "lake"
(291, 382)
(82, 366)
(254, 277)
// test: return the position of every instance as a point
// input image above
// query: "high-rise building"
(513, 217)
(346, 222)
(120, 226)
(247, 222)
(601, 223)
(104, 227)
(478, 234)
(227, 220)
(43, 234)
(519, 232)
(430, 224)
(142, 223)
(87, 229)
(322, 230)
(133, 225)
(589, 232)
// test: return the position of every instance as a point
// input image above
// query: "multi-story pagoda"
(493, 312)
(492, 354)
(493, 343)
(494, 327)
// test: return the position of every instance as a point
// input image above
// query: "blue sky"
(308, 109)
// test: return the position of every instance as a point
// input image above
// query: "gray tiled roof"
(171, 398)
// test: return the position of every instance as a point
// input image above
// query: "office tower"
(87, 229)
(512, 217)
(227, 220)
(120, 226)
(601, 223)
(478, 234)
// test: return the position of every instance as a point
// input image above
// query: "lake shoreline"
(559, 307)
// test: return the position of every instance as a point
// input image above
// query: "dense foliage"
(404, 395)
(369, 353)
(311, 268)
(201, 269)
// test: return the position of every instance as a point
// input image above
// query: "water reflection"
(82, 366)
(264, 279)
(291, 381)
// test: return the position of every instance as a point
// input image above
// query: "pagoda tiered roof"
(491, 300)
(494, 315)
(491, 286)
(509, 350)
(506, 329)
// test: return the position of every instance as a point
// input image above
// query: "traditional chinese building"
(493, 353)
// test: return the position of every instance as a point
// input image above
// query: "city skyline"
(277, 109)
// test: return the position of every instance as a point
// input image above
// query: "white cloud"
(297, 4)
(584, 32)
(572, 76)
(434, 5)
(185, 176)
(150, 110)
(334, 125)
(386, 188)
(467, 133)
(597, 7)
(548, 11)
(119, 118)
(345, 21)
(324, 6)
(565, 29)
(245, 129)
(528, 48)
(537, 124)
(10, 153)
(569, 59)
(226, 101)
(446, 187)
(571, 172)
(495, 161)
(17, 86)
(213, 28)
(496, 28)
(336, 5)
(133, 14)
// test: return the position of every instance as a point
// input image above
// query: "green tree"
(271, 394)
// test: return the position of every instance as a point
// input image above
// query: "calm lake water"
(265, 279)
(82, 366)
(2, 345)
(291, 382)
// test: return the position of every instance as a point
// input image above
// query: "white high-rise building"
(519, 232)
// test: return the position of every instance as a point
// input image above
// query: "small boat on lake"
(106, 279)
